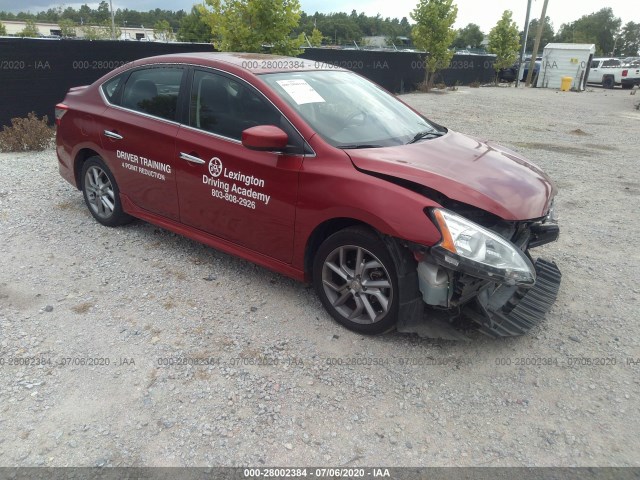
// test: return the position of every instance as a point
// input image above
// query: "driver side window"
(225, 106)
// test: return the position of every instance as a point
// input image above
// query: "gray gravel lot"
(72, 289)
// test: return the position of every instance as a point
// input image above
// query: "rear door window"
(153, 91)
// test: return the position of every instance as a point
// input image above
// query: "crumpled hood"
(476, 172)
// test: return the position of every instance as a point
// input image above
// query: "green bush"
(26, 134)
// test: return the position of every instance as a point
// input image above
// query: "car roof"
(255, 63)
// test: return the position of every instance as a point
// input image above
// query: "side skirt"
(212, 240)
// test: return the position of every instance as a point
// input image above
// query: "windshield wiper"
(358, 145)
(426, 134)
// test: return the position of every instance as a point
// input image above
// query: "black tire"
(608, 82)
(627, 86)
(364, 299)
(101, 193)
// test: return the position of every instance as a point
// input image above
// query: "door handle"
(191, 158)
(114, 135)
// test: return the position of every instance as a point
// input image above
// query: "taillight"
(61, 109)
(625, 72)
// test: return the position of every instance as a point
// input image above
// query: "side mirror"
(265, 138)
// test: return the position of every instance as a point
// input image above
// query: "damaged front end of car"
(491, 206)
(481, 275)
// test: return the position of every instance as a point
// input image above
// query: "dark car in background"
(536, 69)
(509, 74)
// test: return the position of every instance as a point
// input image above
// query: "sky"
(484, 13)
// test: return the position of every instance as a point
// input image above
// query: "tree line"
(602, 28)
(280, 27)
(340, 28)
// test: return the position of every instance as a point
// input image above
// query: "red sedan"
(321, 175)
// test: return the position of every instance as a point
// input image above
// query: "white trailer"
(565, 60)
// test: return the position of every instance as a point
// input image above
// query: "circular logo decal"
(215, 167)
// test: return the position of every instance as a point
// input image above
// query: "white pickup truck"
(610, 72)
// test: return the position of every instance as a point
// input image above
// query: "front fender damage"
(437, 302)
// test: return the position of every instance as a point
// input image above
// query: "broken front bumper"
(524, 310)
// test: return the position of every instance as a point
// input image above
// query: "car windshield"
(349, 111)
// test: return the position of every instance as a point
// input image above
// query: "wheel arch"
(411, 306)
(82, 155)
(327, 228)
(605, 81)
(321, 233)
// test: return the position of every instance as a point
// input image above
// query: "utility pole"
(536, 45)
(113, 21)
(524, 42)
(613, 52)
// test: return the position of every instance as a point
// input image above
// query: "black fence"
(36, 74)
(401, 72)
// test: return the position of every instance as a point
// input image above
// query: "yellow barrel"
(565, 86)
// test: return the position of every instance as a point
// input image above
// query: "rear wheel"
(356, 280)
(627, 86)
(608, 82)
(101, 193)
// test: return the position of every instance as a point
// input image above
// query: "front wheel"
(356, 280)
(101, 193)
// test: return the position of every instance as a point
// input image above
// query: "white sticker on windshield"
(300, 91)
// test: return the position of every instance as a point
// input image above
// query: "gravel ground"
(70, 288)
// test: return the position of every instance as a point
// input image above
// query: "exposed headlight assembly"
(470, 248)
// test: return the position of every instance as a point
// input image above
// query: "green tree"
(106, 26)
(504, 42)
(71, 14)
(600, 28)
(99, 32)
(3, 29)
(86, 14)
(629, 41)
(193, 28)
(340, 28)
(131, 17)
(547, 33)
(247, 25)
(103, 13)
(162, 31)
(29, 30)
(433, 32)
(469, 36)
(67, 27)
(315, 39)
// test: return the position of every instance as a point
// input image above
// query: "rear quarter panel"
(78, 129)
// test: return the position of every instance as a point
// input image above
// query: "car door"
(245, 196)
(595, 73)
(138, 132)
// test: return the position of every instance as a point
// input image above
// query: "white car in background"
(610, 72)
